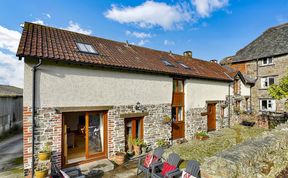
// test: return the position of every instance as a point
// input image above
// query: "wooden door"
(96, 134)
(178, 124)
(211, 117)
(65, 146)
(133, 127)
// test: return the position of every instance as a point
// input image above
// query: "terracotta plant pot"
(137, 150)
(199, 137)
(44, 156)
(41, 174)
(120, 158)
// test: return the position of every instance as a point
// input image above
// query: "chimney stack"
(187, 54)
(214, 61)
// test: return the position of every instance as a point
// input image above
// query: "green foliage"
(41, 167)
(202, 134)
(130, 139)
(161, 142)
(47, 147)
(280, 91)
(138, 142)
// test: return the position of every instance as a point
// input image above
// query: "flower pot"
(41, 174)
(120, 158)
(137, 150)
(200, 137)
(44, 156)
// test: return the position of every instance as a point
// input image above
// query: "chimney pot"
(214, 61)
(187, 54)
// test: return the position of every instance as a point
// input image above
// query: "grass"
(13, 131)
(218, 142)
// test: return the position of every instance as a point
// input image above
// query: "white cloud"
(151, 14)
(75, 27)
(138, 34)
(9, 39)
(142, 42)
(169, 42)
(38, 21)
(11, 69)
(205, 7)
(48, 16)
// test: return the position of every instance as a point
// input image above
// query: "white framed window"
(87, 48)
(267, 81)
(267, 61)
(267, 105)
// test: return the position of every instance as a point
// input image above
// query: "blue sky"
(211, 29)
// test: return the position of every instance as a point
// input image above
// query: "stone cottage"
(87, 95)
(266, 61)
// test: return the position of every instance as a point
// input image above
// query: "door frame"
(134, 119)
(209, 115)
(91, 157)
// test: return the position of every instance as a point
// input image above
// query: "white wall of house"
(197, 92)
(62, 86)
(245, 89)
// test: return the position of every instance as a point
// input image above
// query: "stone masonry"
(264, 156)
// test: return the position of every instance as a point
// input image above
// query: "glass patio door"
(95, 134)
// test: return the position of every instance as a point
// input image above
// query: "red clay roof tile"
(60, 45)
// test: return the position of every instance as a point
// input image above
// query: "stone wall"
(154, 129)
(48, 128)
(264, 156)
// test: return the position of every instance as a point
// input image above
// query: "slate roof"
(272, 42)
(55, 44)
(10, 91)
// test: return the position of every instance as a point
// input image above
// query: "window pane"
(90, 49)
(264, 104)
(174, 113)
(82, 47)
(271, 81)
(180, 86)
(95, 131)
(174, 85)
(270, 60)
(264, 61)
(180, 113)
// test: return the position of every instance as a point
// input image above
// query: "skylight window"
(167, 63)
(86, 48)
(183, 65)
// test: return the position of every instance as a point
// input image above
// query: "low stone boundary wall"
(264, 156)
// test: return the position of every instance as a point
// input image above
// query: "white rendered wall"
(197, 92)
(245, 89)
(63, 86)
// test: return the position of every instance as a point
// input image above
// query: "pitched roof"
(10, 91)
(245, 78)
(60, 45)
(272, 42)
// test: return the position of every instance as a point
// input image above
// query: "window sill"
(265, 65)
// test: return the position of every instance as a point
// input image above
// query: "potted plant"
(120, 157)
(162, 143)
(236, 109)
(41, 171)
(137, 146)
(144, 147)
(45, 153)
(130, 144)
(166, 119)
(201, 135)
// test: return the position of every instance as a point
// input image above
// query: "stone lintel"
(83, 108)
(130, 115)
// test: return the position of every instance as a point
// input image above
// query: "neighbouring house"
(266, 60)
(90, 94)
(11, 107)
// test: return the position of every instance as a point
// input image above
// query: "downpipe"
(34, 69)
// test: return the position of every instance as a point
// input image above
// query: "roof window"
(86, 48)
(183, 65)
(166, 62)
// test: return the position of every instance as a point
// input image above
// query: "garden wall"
(264, 156)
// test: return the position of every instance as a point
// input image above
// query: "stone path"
(10, 149)
(128, 170)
